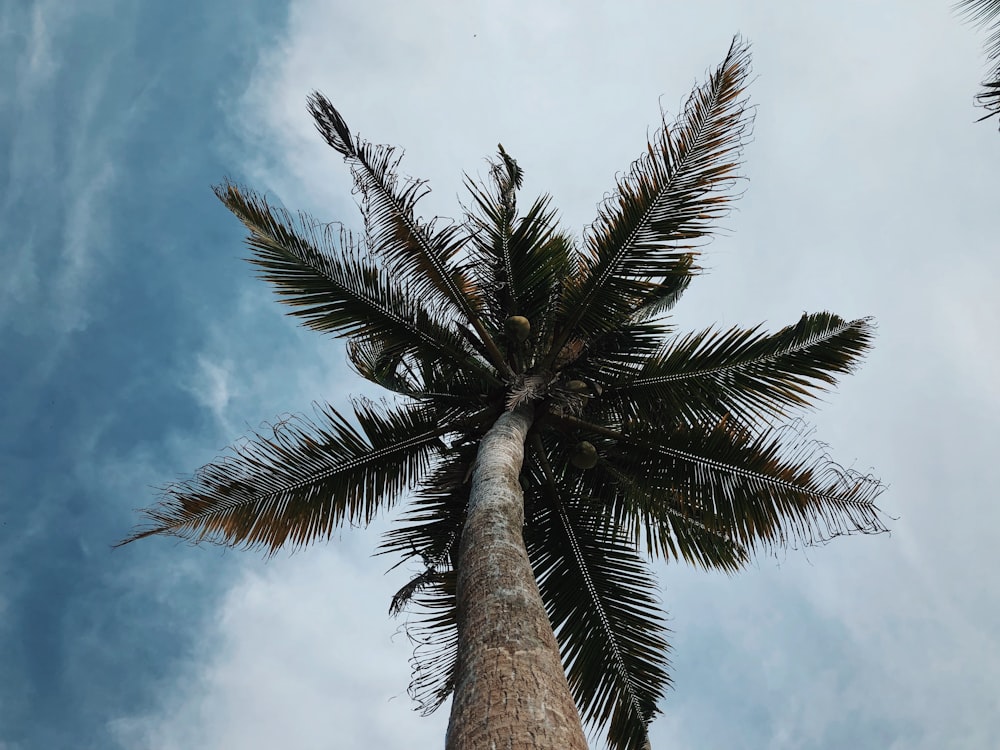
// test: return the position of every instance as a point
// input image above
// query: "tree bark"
(511, 691)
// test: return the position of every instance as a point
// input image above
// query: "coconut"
(517, 327)
(584, 455)
(577, 386)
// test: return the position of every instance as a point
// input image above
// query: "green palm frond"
(601, 601)
(416, 251)
(763, 491)
(408, 243)
(618, 354)
(652, 519)
(649, 518)
(423, 581)
(429, 533)
(516, 261)
(662, 298)
(430, 595)
(430, 529)
(334, 288)
(433, 380)
(302, 481)
(746, 373)
(492, 233)
(556, 262)
(989, 97)
(435, 638)
(663, 207)
(378, 362)
(986, 14)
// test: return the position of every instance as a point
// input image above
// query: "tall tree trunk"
(510, 692)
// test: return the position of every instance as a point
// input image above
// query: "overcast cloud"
(137, 345)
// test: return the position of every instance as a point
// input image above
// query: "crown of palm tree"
(644, 442)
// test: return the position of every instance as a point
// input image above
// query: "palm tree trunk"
(510, 691)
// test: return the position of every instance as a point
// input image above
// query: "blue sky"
(135, 345)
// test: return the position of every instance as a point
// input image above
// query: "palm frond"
(434, 634)
(431, 380)
(986, 14)
(377, 361)
(416, 251)
(619, 354)
(662, 298)
(989, 97)
(744, 372)
(431, 527)
(517, 264)
(601, 600)
(555, 263)
(635, 511)
(664, 206)
(302, 481)
(499, 209)
(430, 531)
(334, 288)
(420, 582)
(769, 490)
(654, 520)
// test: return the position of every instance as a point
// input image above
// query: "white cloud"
(41, 63)
(256, 364)
(292, 659)
(212, 387)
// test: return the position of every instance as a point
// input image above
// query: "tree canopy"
(646, 442)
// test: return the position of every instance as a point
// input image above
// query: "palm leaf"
(657, 520)
(416, 251)
(431, 527)
(433, 631)
(302, 481)
(601, 601)
(517, 263)
(664, 206)
(434, 634)
(619, 354)
(763, 491)
(986, 13)
(499, 210)
(430, 531)
(333, 288)
(662, 297)
(432, 380)
(555, 262)
(743, 372)
(649, 518)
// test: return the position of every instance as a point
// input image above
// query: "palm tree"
(987, 13)
(552, 427)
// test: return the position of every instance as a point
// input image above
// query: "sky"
(135, 345)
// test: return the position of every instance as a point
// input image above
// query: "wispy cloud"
(40, 62)
(61, 167)
(253, 363)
